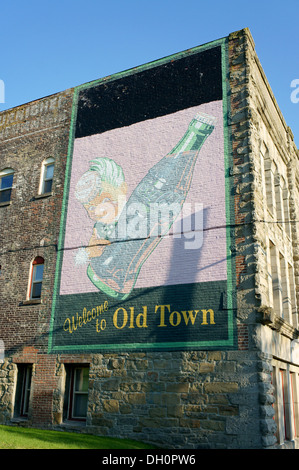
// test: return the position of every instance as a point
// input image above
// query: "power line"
(218, 227)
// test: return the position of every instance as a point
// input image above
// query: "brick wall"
(29, 225)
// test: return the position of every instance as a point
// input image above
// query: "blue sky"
(49, 46)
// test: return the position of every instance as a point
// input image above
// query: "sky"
(50, 46)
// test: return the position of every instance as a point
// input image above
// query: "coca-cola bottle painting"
(126, 233)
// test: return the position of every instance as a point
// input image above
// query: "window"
(269, 171)
(283, 405)
(286, 402)
(263, 156)
(47, 176)
(23, 390)
(278, 197)
(76, 393)
(274, 380)
(37, 271)
(293, 295)
(282, 203)
(286, 208)
(6, 179)
(294, 402)
(282, 289)
(276, 280)
(285, 290)
(281, 415)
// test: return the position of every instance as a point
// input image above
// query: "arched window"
(36, 278)
(6, 179)
(47, 176)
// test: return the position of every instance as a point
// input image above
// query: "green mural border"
(231, 341)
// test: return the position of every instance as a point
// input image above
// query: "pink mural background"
(137, 148)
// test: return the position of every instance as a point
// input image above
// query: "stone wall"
(271, 174)
(178, 399)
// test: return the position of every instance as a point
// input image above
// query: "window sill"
(31, 302)
(4, 204)
(275, 322)
(44, 195)
(19, 420)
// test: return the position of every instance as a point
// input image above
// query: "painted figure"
(102, 191)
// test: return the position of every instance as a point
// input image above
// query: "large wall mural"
(144, 250)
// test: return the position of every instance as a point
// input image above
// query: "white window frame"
(73, 393)
(32, 281)
(285, 381)
(26, 390)
(3, 173)
(46, 163)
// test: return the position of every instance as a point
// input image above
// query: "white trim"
(48, 161)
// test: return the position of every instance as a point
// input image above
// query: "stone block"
(175, 411)
(170, 399)
(157, 412)
(190, 423)
(111, 406)
(221, 387)
(213, 425)
(125, 408)
(111, 385)
(177, 387)
(135, 398)
(206, 367)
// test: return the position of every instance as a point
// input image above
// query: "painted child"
(102, 191)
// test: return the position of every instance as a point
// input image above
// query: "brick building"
(188, 337)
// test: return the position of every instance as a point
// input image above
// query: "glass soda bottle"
(154, 205)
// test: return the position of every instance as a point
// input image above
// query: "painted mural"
(143, 252)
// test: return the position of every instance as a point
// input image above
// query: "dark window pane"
(23, 387)
(80, 406)
(36, 290)
(26, 391)
(5, 195)
(81, 380)
(47, 186)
